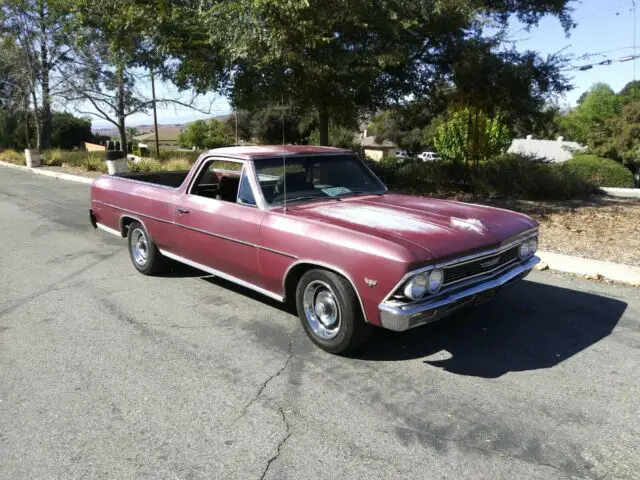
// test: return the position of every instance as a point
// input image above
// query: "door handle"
(182, 210)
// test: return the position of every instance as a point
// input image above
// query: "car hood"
(442, 228)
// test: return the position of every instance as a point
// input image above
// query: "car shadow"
(528, 326)
(220, 282)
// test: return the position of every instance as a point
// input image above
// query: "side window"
(219, 179)
(245, 193)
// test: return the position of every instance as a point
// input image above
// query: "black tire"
(350, 330)
(153, 261)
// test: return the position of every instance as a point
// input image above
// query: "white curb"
(617, 272)
(622, 192)
(49, 173)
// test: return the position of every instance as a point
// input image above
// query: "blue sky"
(605, 28)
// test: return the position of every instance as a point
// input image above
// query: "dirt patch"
(601, 228)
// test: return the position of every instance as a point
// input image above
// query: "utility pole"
(236, 112)
(635, 39)
(155, 115)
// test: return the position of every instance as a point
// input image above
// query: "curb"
(622, 192)
(49, 173)
(592, 269)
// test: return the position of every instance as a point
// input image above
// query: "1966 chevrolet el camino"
(314, 226)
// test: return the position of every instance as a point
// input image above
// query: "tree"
(268, 125)
(203, 134)
(38, 27)
(624, 142)
(590, 122)
(218, 134)
(341, 137)
(337, 58)
(240, 122)
(486, 138)
(15, 90)
(70, 132)
(195, 135)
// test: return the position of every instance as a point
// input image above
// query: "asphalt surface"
(105, 373)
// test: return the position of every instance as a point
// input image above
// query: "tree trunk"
(27, 133)
(45, 112)
(323, 125)
(120, 113)
(476, 141)
(37, 119)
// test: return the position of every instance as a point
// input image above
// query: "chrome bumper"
(405, 317)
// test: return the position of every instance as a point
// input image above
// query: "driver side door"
(220, 229)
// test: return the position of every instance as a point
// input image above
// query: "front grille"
(456, 273)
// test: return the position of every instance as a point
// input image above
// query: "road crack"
(264, 384)
(281, 443)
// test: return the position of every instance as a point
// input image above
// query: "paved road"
(105, 373)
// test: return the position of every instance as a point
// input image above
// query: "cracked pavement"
(105, 373)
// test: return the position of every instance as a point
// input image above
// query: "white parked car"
(428, 156)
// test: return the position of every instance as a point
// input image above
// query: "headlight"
(436, 277)
(416, 287)
(523, 250)
(533, 245)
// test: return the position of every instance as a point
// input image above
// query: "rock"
(541, 266)
(594, 276)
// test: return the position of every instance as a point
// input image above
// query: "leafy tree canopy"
(342, 58)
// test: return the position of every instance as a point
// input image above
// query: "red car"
(314, 225)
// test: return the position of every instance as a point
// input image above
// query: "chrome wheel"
(139, 247)
(321, 309)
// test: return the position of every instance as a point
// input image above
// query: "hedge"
(602, 172)
(506, 176)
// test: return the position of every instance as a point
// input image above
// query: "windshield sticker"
(335, 191)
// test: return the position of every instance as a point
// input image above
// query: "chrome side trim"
(132, 212)
(108, 229)
(329, 267)
(511, 242)
(220, 274)
(211, 234)
(403, 317)
(278, 252)
(136, 215)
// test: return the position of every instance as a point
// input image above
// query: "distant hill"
(146, 128)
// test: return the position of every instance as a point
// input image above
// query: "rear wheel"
(144, 253)
(330, 312)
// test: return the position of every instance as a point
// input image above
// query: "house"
(167, 137)
(372, 149)
(556, 151)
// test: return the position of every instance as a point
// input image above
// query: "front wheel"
(330, 312)
(144, 253)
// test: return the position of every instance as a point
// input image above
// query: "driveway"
(105, 373)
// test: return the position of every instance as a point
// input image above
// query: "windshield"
(315, 177)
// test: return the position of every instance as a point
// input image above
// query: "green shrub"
(11, 156)
(189, 157)
(602, 172)
(513, 175)
(504, 176)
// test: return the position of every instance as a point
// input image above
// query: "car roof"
(253, 152)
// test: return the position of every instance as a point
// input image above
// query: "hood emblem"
(472, 224)
(490, 263)
(370, 282)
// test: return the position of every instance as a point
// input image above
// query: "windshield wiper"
(307, 197)
(359, 192)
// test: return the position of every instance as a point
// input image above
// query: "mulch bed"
(600, 228)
